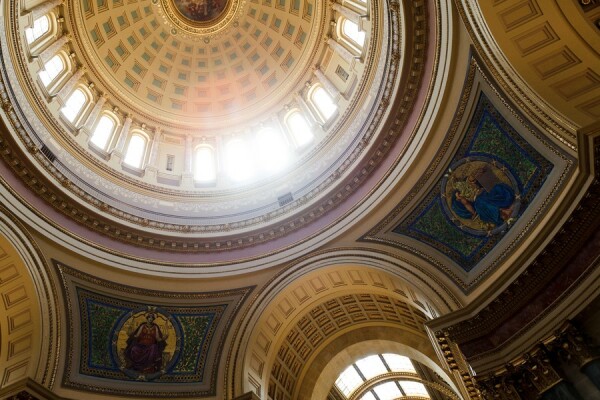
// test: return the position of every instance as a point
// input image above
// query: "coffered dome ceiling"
(185, 78)
(194, 75)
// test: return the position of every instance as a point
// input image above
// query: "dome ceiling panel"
(133, 207)
(199, 78)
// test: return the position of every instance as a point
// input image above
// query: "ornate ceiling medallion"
(199, 17)
(201, 11)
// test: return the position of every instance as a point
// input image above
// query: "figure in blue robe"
(493, 206)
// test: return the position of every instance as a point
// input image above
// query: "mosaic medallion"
(480, 195)
(146, 343)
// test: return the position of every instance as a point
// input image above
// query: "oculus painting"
(200, 10)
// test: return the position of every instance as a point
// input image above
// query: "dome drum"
(165, 174)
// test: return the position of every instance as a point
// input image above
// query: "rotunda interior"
(299, 199)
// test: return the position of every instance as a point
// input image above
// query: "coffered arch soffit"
(314, 282)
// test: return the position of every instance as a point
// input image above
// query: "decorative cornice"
(538, 370)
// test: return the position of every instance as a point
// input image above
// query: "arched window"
(52, 69)
(136, 150)
(351, 33)
(74, 105)
(396, 390)
(322, 102)
(272, 152)
(204, 164)
(238, 160)
(298, 126)
(103, 132)
(40, 27)
(376, 365)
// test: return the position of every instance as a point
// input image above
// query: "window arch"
(205, 169)
(136, 150)
(322, 102)
(75, 105)
(299, 128)
(104, 131)
(53, 69)
(370, 367)
(272, 151)
(397, 389)
(238, 163)
(40, 27)
(351, 35)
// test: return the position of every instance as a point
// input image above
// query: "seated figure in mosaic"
(145, 347)
(478, 196)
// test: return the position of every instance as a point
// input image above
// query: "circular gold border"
(179, 21)
(199, 24)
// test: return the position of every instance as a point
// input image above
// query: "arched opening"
(323, 103)
(299, 129)
(53, 68)
(205, 170)
(103, 132)
(271, 149)
(40, 27)
(351, 32)
(239, 165)
(74, 105)
(136, 150)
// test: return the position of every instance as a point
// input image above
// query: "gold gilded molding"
(230, 15)
(560, 129)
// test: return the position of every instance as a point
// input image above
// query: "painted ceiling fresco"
(161, 342)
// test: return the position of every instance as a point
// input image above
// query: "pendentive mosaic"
(126, 340)
(130, 341)
(491, 180)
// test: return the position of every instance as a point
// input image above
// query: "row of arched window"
(271, 146)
